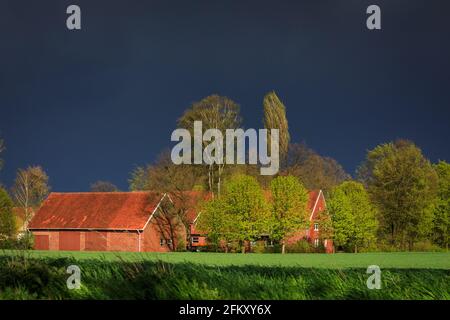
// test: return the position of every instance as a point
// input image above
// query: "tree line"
(396, 199)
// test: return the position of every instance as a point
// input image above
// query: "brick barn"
(130, 221)
(99, 221)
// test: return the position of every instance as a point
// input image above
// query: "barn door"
(69, 240)
(41, 242)
(95, 241)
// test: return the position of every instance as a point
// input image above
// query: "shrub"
(259, 247)
(301, 246)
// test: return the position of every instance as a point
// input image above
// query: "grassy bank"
(44, 277)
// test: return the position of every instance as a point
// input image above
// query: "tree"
(353, 216)
(242, 212)
(275, 118)
(168, 223)
(139, 179)
(402, 184)
(215, 112)
(247, 209)
(176, 180)
(326, 225)
(441, 221)
(313, 170)
(289, 208)
(103, 186)
(7, 220)
(30, 189)
(213, 219)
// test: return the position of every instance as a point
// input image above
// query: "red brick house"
(99, 221)
(316, 204)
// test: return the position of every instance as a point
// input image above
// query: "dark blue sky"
(90, 105)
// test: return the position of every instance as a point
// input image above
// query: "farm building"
(316, 204)
(99, 221)
(133, 221)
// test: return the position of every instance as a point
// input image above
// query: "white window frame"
(316, 226)
(316, 242)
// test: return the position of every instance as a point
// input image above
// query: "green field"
(421, 260)
(42, 275)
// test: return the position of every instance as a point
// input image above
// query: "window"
(316, 227)
(316, 243)
(194, 239)
(169, 242)
(161, 242)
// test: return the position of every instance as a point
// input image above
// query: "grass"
(423, 260)
(42, 275)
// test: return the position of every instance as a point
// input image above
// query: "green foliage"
(402, 184)
(246, 208)
(139, 179)
(289, 207)
(214, 220)
(441, 221)
(240, 214)
(8, 227)
(275, 118)
(326, 225)
(303, 246)
(24, 242)
(353, 216)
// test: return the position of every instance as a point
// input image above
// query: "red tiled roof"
(313, 198)
(96, 210)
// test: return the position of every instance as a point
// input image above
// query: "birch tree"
(215, 112)
(30, 189)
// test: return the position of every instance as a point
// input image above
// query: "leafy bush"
(25, 242)
(259, 247)
(304, 246)
(427, 246)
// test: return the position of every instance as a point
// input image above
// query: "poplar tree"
(275, 118)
